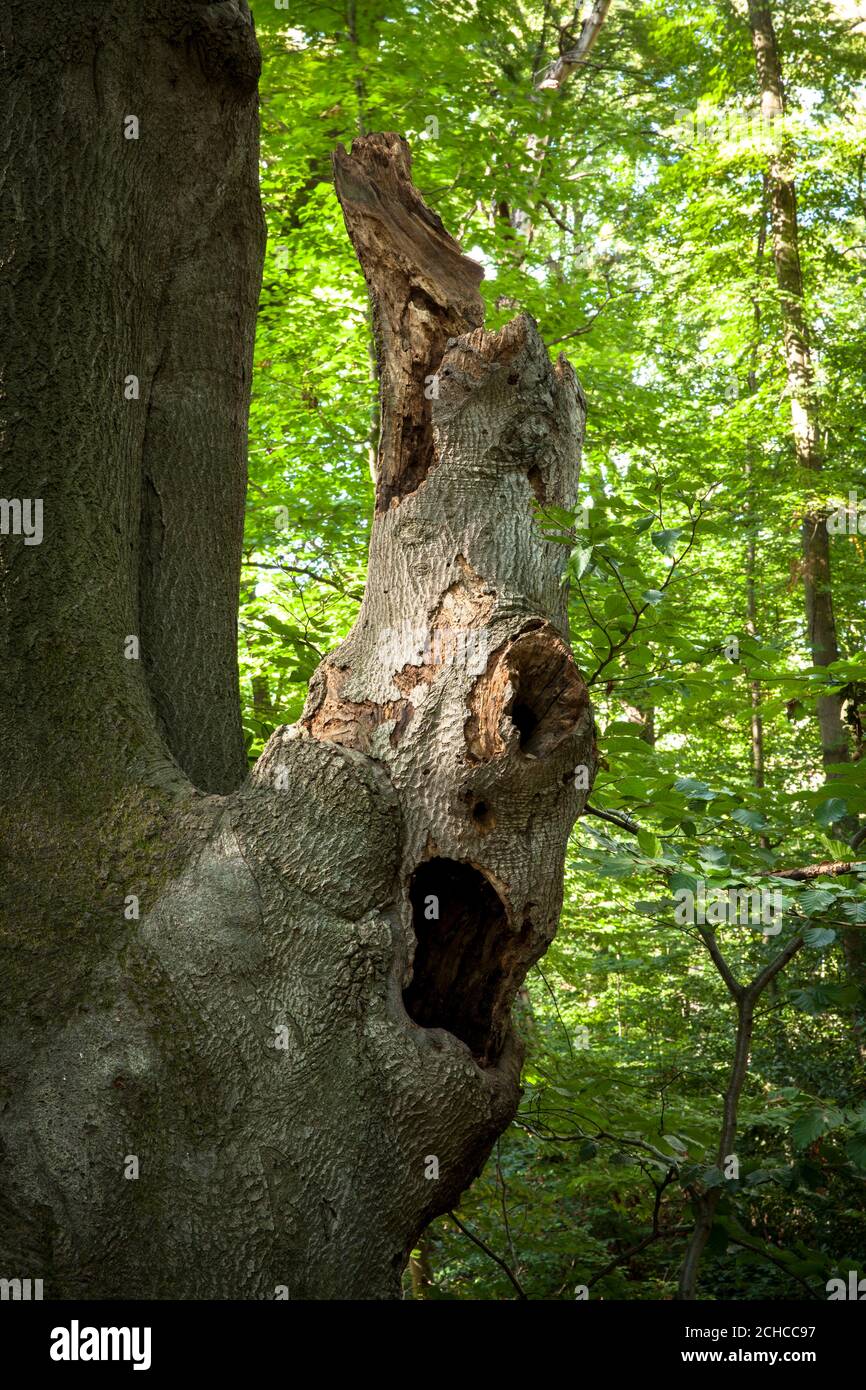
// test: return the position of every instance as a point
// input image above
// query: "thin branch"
(836, 866)
(760, 982)
(614, 817)
(504, 1204)
(307, 574)
(636, 1249)
(476, 1240)
(709, 939)
(579, 332)
(759, 1249)
(615, 647)
(552, 994)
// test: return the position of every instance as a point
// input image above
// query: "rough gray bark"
(288, 1035)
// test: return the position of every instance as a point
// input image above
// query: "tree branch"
(833, 867)
(476, 1240)
(622, 821)
(564, 65)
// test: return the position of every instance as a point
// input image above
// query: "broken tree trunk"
(255, 1038)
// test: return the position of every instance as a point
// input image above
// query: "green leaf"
(808, 1128)
(683, 883)
(830, 811)
(674, 1142)
(649, 844)
(816, 900)
(816, 999)
(759, 1177)
(713, 854)
(753, 819)
(581, 559)
(818, 937)
(856, 1150)
(692, 788)
(653, 907)
(666, 541)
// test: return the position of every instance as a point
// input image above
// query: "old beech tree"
(239, 1090)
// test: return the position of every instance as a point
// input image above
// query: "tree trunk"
(820, 618)
(817, 585)
(756, 726)
(757, 719)
(255, 1036)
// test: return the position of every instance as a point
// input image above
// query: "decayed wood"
(457, 676)
(422, 290)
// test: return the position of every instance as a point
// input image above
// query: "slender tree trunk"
(706, 1200)
(817, 586)
(254, 1037)
(820, 619)
(757, 722)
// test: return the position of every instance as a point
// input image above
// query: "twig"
(614, 817)
(476, 1240)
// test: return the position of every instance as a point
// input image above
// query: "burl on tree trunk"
(300, 1052)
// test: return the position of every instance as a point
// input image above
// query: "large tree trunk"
(255, 1037)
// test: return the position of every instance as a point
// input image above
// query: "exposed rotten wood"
(422, 289)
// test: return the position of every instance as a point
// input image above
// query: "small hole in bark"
(464, 955)
(536, 482)
(483, 816)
